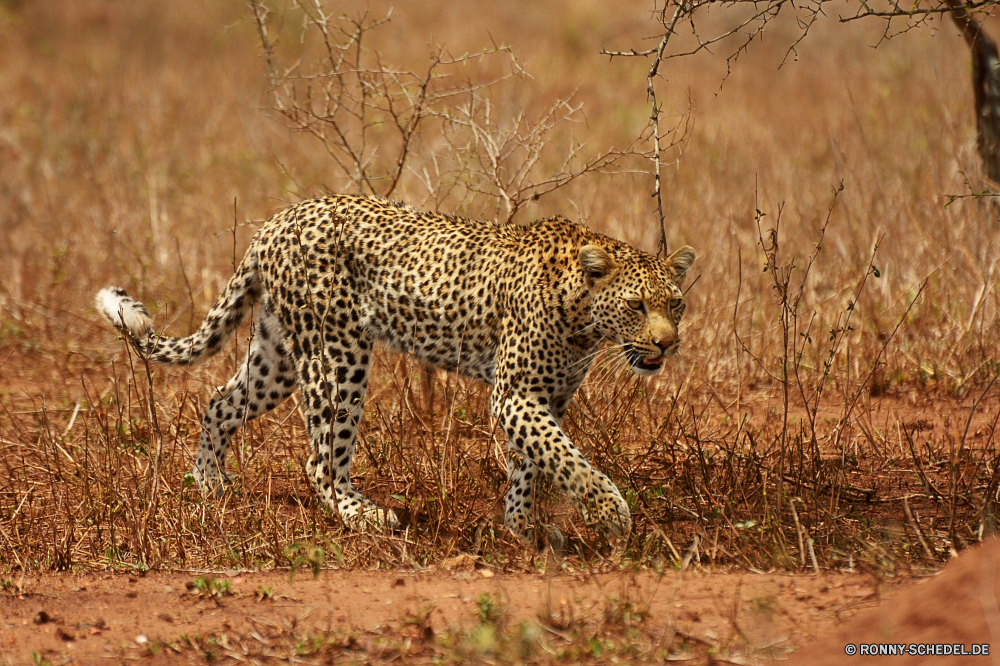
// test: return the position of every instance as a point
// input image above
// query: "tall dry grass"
(137, 146)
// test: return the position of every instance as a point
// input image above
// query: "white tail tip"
(124, 312)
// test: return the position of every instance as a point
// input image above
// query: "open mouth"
(640, 362)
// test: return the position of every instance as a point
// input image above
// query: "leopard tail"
(132, 318)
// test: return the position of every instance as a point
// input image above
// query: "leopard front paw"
(372, 519)
(540, 536)
(617, 520)
(608, 509)
(212, 483)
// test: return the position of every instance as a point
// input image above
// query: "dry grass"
(129, 132)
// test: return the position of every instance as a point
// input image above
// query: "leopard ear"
(680, 261)
(596, 263)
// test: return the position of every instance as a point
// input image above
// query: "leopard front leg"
(534, 433)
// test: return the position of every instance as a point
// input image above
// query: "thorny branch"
(444, 129)
(753, 18)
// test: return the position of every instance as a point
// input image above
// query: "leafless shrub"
(448, 128)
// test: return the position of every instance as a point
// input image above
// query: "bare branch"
(445, 128)
(897, 11)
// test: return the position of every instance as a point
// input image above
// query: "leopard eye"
(635, 304)
(675, 303)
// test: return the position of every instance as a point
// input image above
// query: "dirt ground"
(424, 616)
(437, 615)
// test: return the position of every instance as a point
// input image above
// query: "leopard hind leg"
(264, 380)
(333, 403)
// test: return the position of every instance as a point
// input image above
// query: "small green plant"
(196, 642)
(308, 552)
(265, 593)
(308, 645)
(764, 605)
(623, 613)
(39, 660)
(212, 586)
(489, 610)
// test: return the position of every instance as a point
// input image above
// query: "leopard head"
(636, 301)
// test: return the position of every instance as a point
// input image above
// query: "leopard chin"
(648, 366)
(644, 366)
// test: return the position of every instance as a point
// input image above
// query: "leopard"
(522, 307)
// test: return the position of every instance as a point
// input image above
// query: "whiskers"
(618, 364)
(587, 358)
(589, 328)
(613, 360)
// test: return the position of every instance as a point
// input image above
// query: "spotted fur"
(522, 308)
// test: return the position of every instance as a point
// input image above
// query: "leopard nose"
(665, 344)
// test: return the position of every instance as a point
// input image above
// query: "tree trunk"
(985, 84)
